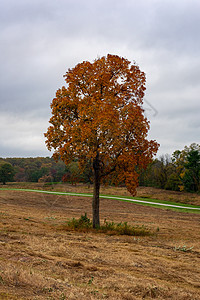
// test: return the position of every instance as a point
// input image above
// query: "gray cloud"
(23, 136)
(40, 40)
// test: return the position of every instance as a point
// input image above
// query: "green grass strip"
(137, 200)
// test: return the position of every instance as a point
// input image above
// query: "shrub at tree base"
(84, 224)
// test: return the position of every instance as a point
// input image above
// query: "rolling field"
(39, 260)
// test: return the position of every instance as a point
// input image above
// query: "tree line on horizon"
(179, 172)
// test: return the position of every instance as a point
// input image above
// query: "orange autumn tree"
(98, 118)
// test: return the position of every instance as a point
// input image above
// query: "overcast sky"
(41, 39)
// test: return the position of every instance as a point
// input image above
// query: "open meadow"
(41, 260)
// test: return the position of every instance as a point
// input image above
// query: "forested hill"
(35, 169)
(46, 169)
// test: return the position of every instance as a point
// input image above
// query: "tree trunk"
(95, 202)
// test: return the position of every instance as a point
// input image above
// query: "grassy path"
(142, 201)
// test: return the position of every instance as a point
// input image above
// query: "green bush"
(81, 224)
(122, 228)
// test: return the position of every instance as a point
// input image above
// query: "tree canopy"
(6, 172)
(98, 118)
(189, 164)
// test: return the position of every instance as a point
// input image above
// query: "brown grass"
(40, 261)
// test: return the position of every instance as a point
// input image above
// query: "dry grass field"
(39, 260)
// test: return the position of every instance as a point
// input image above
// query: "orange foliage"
(100, 112)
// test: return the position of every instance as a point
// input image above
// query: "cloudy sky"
(41, 39)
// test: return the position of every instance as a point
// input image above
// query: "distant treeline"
(179, 172)
(34, 169)
(45, 169)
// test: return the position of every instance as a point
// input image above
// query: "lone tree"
(98, 118)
